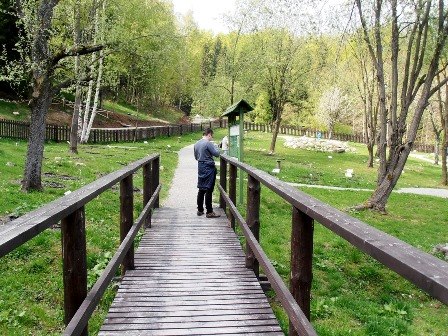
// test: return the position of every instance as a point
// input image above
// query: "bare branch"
(76, 51)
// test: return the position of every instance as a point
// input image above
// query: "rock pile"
(320, 145)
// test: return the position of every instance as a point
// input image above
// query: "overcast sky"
(207, 13)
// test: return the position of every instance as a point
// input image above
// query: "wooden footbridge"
(189, 274)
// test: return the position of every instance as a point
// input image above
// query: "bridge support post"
(147, 191)
(155, 174)
(253, 221)
(127, 220)
(232, 191)
(301, 261)
(223, 181)
(74, 259)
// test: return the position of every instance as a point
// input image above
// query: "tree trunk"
(370, 146)
(100, 73)
(41, 96)
(75, 117)
(436, 149)
(95, 101)
(275, 130)
(443, 110)
(92, 72)
(444, 146)
(381, 194)
(32, 179)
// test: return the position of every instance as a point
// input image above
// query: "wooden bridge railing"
(424, 270)
(78, 304)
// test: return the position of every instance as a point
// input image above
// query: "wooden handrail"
(293, 310)
(86, 309)
(22, 229)
(424, 270)
(70, 210)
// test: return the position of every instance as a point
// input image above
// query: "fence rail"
(70, 210)
(424, 270)
(313, 133)
(20, 130)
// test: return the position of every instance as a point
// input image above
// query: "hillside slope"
(112, 115)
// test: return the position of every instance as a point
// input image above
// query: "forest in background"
(154, 58)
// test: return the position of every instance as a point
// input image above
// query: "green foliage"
(7, 110)
(262, 112)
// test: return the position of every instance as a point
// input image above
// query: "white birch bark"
(99, 77)
(92, 71)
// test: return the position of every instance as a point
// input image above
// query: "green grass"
(31, 291)
(7, 109)
(352, 294)
(162, 114)
(130, 110)
(310, 167)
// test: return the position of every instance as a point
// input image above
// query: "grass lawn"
(31, 292)
(7, 109)
(352, 294)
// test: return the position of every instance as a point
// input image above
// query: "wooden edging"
(297, 317)
(20, 230)
(424, 270)
(81, 318)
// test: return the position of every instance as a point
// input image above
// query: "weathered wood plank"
(190, 278)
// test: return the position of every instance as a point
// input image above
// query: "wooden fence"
(20, 130)
(70, 210)
(424, 270)
(313, 133)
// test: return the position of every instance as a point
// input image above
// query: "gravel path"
(183, 189)
(417, 191)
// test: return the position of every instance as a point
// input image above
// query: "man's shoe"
(200, 213)
(212, 215)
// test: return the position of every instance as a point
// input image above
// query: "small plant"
(323, 308)
(98, 269)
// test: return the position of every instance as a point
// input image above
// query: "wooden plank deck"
(190, 279)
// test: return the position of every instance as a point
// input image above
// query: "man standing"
(204, 151)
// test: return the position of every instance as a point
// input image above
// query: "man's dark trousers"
(207, 193)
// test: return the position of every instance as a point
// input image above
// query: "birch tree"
(99, 77)
(405, 94)
(76, 108)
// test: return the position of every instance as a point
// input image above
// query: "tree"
(280, 73)
(367, 90)
(10, 83)
(442, 98)
(262, 112)
(73, 147)
(334, 106)
(412, 77)
(36, 19)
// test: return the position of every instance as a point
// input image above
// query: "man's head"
(208, 133)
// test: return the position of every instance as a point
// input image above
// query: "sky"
(207, 13)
